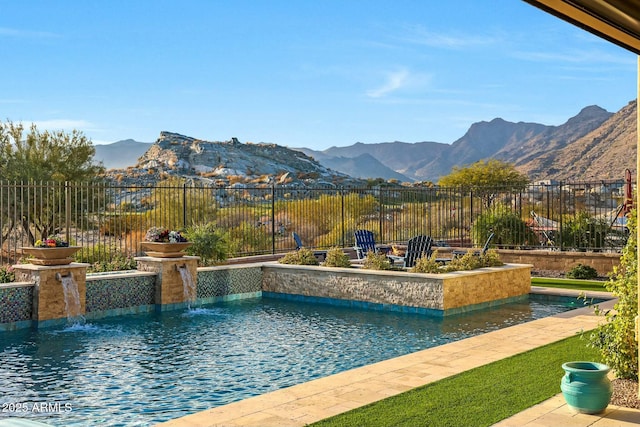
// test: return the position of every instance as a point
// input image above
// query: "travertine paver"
(306, 403)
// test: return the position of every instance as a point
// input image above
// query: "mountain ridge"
(593, 144)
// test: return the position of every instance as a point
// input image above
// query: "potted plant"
(586, 387)
(50, 251)
(163, 243)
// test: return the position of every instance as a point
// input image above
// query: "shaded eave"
(615, 20)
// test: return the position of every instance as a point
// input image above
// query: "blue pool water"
(143, 369)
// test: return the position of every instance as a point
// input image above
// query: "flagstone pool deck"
(315, 400)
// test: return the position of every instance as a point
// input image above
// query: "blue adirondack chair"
(417, 247)
(365, 242)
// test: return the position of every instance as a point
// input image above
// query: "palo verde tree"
(45, 160)
(486, 179)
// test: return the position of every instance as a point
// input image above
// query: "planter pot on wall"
(586, 387)
(165, 250)
(51, 256)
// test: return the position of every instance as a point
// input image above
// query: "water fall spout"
(189, 285)
(72, 304)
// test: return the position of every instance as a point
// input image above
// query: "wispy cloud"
(421, 36)
(402, 80)
(394, 81)
(12, 32)
(574, 57)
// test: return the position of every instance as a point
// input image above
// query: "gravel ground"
(547, 273)
(625, 393)
(556, 274)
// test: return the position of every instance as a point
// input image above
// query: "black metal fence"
(111, 219)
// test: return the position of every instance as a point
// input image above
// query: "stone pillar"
(169, 284)
(48, 296)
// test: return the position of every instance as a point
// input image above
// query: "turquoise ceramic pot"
(586, 387)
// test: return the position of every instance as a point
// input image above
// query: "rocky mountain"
(518, 143)
(602, 153)
(594, 144)
(226, 163)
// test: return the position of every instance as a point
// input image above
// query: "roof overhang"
(615, 20)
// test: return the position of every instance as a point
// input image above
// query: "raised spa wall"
(113, 294)
(434, 294)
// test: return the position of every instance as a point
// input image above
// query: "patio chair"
(365, 242)
(321, 255)
(417, 247)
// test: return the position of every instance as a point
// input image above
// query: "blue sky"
(299, 73)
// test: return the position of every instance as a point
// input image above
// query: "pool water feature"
(71, 294)
(143, 369)
(189, 286)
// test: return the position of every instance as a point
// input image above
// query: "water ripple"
(143, 369)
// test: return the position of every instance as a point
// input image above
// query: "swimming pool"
(143, 369)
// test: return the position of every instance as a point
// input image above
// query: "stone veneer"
(169, 283)
(119, 293)
(448, 293)
(48, 301)
(562, 261)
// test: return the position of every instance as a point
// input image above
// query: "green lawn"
(575, 284)
(484, 395)
(479, 397)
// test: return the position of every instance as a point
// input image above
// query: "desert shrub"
(469, 261)
(303, 256)
(616, 338)
(117, 262)
(491, 258)
(377, 261)
(337, 258)
(93, 254)
(208, 243)
(581, 271)
(103, 257)
(7, 274)
(427, 264)
(507, 226)
(584, 231)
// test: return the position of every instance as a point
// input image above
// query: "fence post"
(380, 190)
(561, 215)
(184, 205)
(344, 243)
(470, 216)
(67, 209)
(273, 218)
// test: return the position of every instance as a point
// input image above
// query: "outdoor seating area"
(417, 247)
(406, 255)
